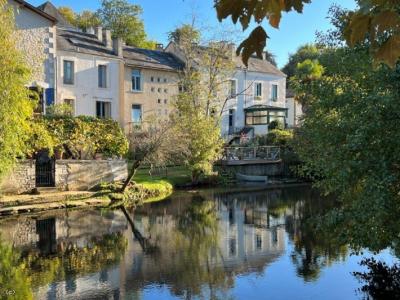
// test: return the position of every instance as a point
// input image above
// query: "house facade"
(295, 110)
(150, 85)
(36, 38)
(259, 94)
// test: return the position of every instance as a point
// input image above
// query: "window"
(231, 117)
(258, 242)
(152, 79)
(159, 90)
(165, 80)
(159, 101)
(166, 91)
(136, 80)
(165, 101)
(233, 90)
(68, 72)
(274, 95)
(102, 70)
(103, 110)
(158, 79)
(258, 91)
(153, 89)
(257, 117)
(136, 114)
(70, 103)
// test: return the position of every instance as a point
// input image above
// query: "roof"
(51, 10)
(153, 59)
(36, 10)
(256, 64)
(261, 107)
(81, 42)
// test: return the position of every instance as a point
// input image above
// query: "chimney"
(159, 47)
(117, 44)
(98, 31)
(90, 30)
(107, 38)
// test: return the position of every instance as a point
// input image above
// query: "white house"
(36, 38)
(295, 110)
(260, 94)
(89, 72)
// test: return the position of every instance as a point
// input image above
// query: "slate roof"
(81, 42)
(154, 59)
(51, 10)
(258, 65)
(36, 10)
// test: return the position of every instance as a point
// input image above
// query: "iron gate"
(45, 171)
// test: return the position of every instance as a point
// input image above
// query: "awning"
(261, 107)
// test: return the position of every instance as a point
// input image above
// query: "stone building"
(36, 37)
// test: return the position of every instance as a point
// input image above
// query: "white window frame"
(255, 90)
(236, 88)
(103, 101)
(106, 75)
(63, 60)
(277, 92)
(140, 81)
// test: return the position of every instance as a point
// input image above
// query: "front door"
(45, 170)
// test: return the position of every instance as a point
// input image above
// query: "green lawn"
(174, 175)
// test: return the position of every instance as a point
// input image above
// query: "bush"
(276, 125)
(79, 138)
(275, 137)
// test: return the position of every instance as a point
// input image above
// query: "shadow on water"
(193, 245)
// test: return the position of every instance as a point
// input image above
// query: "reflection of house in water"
(190, 257)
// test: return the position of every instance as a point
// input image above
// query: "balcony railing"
(268, 153)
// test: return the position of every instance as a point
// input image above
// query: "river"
(195, 245)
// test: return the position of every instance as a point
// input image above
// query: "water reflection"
(191, 246)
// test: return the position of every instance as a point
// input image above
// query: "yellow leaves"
(389, 52)
(357, 29)
(386, 20)
(244, 10)
(255, 43)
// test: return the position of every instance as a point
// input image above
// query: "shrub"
(275, 137)
(80, 137)
(276, 125)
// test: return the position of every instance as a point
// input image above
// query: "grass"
(174, 176)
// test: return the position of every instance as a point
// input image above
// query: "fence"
(269, 153)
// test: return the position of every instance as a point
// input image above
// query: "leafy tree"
(349, 144)
(378, 20)
(87, 19)
(309, 69)
(308, 51)
(68, 14)
(124, 21)
(16, 108)
(184, 33)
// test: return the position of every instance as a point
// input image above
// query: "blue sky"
(162, 16)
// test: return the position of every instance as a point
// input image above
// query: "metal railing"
(269, 153)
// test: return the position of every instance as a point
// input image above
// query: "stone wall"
(81, 175)
(71, 175)
(21, 180)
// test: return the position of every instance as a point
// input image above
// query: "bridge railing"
(269, 153)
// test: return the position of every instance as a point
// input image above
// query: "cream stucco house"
(36, 37)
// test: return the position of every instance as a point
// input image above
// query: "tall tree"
(307, 51)
(124, 21)
(16, 108)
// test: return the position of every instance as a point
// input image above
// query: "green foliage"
(82, 20)
(59, 110)
(309, 69)
(124, 21)
(16, 109)
(184, 33)
(349, 144)
(79, 138)
(307, 51)
(275, 137)
(275, 124)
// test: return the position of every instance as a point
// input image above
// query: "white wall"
(246, 81)
(85, 91)
(295, 112)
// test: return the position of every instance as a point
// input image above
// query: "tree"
(123, 19)
(184, 33)
(308, 51)
(68, 14)
(349, 143)
(157, 144)
(16, 108)
(377, 20)
(87, 19)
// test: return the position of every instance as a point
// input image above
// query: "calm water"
(208, 245)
